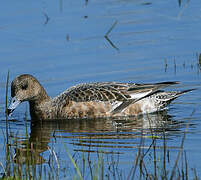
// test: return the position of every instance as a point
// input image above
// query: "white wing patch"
(140, 95)
(134, 96)
(115, 105)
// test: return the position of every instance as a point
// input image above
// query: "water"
(62, 43)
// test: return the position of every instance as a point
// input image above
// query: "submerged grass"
(104, 169)
(108, 39)
(106, 166)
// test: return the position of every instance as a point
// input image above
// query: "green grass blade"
(74, 163)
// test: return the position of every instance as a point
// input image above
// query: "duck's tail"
(179, 93)
(161, 98)
(185, 91)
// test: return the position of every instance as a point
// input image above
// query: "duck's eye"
(24, 86)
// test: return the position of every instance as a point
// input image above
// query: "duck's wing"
(107, 91)
(126, 93)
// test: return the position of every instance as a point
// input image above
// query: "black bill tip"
(9, 111)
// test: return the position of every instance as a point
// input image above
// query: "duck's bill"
(13, 104)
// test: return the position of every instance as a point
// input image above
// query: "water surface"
(62, 43)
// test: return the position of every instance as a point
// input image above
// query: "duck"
(91, 100)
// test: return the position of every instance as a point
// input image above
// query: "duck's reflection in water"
(90, 134)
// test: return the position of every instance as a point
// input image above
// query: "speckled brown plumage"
(91, 100)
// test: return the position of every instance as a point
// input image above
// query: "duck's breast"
(86, 109)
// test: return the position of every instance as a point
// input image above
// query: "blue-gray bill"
(13, 104)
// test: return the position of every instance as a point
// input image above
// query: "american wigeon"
(91, 100)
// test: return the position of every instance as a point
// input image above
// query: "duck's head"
(25, 88)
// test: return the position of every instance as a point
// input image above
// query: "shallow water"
(62, 43)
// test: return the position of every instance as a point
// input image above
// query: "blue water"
(62, 43)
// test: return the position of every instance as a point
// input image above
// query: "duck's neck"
(38, 105)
